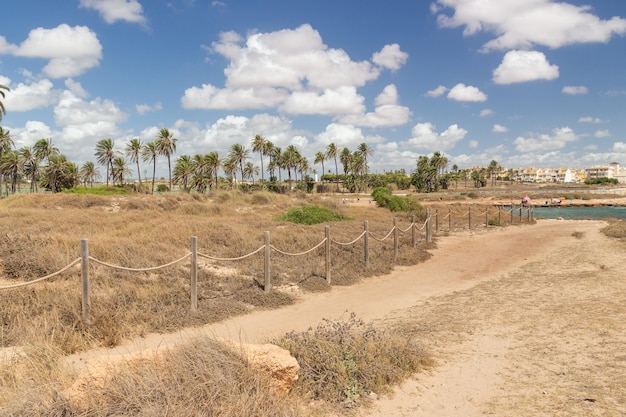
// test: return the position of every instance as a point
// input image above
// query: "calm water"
(580, 212)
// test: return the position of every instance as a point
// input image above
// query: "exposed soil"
(524, 320)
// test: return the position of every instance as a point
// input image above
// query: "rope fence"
(267, 249)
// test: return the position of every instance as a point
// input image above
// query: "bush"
(311, 215)
(385, 198)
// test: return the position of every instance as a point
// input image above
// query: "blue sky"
(523, 82)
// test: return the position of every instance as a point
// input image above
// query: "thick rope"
(407, 229)
(232, 259)
(301, 253)
(349, 243)
(388, 234)
(23, 284)
(424, 225)
(123, 268)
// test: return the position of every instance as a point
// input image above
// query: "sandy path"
(488, 308)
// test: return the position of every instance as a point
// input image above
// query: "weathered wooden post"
(84, 254)
(486, 215)
(511, 212)
(449, 220)
(413, 232)
(327, 230)
(469, 217)
(194, 273)
(436, 220)
(520, 213)
(395, 239)
(429, 236)
(366, 242)
(268, 279)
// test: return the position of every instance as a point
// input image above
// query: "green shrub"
(162, 188)
(385, 198)
(310, 215)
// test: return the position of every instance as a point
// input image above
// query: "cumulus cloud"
(31, 96)
(619, 147)
(523, 66)
(113, 10)
(499, 129)
(602, 134)
(525, 24)
(589, 119)
(462, 92)
(390, 57)
(425, 137)
(544, 142)
(486, 112)
(74, 111)
(70, 50)
(575, 90)
(437, 92)
(292, 70)
(146, 108)
(344, 136)
(387, 113)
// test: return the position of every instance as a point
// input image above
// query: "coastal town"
(566, 175)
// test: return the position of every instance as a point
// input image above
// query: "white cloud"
(5, 47)
(619, 147)
(145, 108)
(575, 90)
(523, 66)
(342, 100)
(76, 88)
(387, 113)
(526, 23)
(589, 119)
(437, 92)
(499, 129)
(71, 50)
(31, 132)
(74, 111)
(26, 97)
(390, 57)
(342, 135)
(486, 112)
(114, 10)
(602, 134)
(425, 137)
(473, 143)
(542, 142)
(211, 97)
(462, 92)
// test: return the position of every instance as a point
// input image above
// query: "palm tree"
(89, 173)
(320, 158)
(183, 170)
(331, 152)
(44, 149)
(166, 146)
(2, 109)
(213, 164)
(150, 153)
(250, 170)
(10, 167)
(30, 165)
(230, 167)
(105, 154)
(120, 169)
(133, 151)
(6, 143)
(365, 150)
(59, 173)
(259, 145)
(238, 154)
(290, 159)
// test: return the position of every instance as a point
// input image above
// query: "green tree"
(290, 159)
(133, 151)
(166, 146)
(2, 94)
(59, 174)
(89, 173)
(44, 149)
(183, 171)
(11, 169)
(250, 170)
(6, 144)
(214, 163)
(30, 166)
(238, 155)
(259, 144)
(150, 153)
(320, 157)
(331, 152)
(105, 154)
(120, 170)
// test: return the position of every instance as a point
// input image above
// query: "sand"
(524, 320)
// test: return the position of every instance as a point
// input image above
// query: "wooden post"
(429, 235)
(366, 242)
(511, 212)
(84, 254)
(469, 217)
(520, 214)
(413, 233)
(194, 273)
(449, 220)
(395, 238)
(327, 231)
(266, 273)
(486, 216)
(436, 220)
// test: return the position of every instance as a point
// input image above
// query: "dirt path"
(497, 309)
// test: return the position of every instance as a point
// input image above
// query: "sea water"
(579, 213)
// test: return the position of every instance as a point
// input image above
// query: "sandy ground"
(525, 320)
